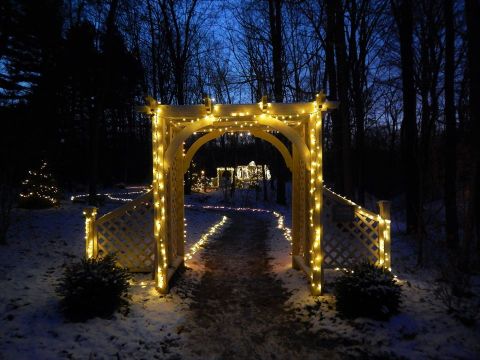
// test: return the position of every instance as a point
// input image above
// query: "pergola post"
(158, 185)
(91, 244)
(316, 199)
(384, 234)
(179, 206)
(296, 200)
(173, 198)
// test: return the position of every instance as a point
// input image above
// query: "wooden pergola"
(147, 234)
(300, 123)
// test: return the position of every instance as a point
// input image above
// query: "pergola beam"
(194, 112)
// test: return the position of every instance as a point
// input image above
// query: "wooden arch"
(257, 133)
(180, 138)
(268, 121)
(291, 135)
(197, 145)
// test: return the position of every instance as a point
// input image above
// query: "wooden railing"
(353, 234)
(126, 231)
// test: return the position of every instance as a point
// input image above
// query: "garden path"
(238, 309)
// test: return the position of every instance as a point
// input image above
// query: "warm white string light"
(214, 230)
(287, 232)
(35, 190)
(112, 196)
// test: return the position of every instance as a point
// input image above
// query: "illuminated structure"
(244, 174)
(301, 124)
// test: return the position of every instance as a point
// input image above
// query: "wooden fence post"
(384, 234)
(91, 246)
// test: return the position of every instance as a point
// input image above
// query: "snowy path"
(237, 310)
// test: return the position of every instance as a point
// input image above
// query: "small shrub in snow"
(367, 290)
(93, 287)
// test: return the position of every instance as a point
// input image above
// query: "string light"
(39, 186)
(205, 237)
(158, 129)
(90, 215)
(287, 232)
(112, 196)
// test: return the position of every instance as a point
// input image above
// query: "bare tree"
(180, 31)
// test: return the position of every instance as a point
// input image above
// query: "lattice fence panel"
(128, 232)
(348, 242)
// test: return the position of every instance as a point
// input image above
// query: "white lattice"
(349, 242)
(128, 232)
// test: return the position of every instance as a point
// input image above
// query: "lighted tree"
(39, 189)
(199, 181)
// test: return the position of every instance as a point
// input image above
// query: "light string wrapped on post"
(158, 185)
(316, 201)
(90, 236)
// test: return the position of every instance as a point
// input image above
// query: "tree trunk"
(275, 18)
(451, 225)
(93, 156)
(424, 142)
(332, 83)
(235, 164)
(97, 114)
(153, 50)
(472, 228)
(404, 17)
(343, 111)
(264, 175)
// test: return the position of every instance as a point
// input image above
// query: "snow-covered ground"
(41, 242)
(423, 329)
